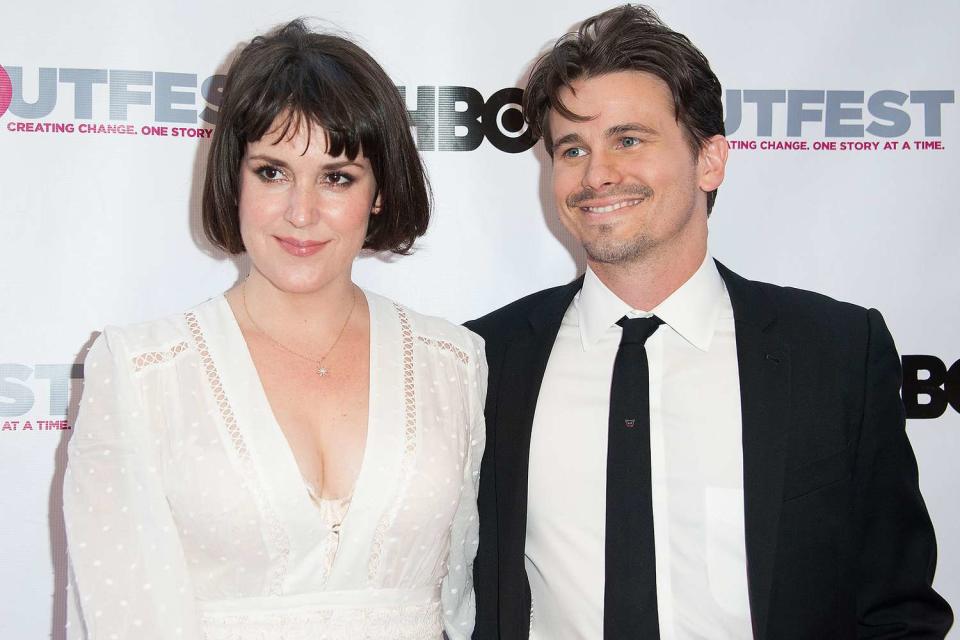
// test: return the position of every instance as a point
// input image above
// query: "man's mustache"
(641, 191)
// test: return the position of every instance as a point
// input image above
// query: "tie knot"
(637, 330)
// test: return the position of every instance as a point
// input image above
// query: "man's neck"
(646, 282)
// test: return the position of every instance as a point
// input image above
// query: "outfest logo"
(174, 98)
(836, 120)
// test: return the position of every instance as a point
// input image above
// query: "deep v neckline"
(278, 436)
(265, 460)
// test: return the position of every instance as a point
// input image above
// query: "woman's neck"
(306, 321)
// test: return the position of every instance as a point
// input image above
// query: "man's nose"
(601, 171)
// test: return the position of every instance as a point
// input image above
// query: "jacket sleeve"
(128, 576)
(897, 549)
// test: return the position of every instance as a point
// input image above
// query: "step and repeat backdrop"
(842, 178)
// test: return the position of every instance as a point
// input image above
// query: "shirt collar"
(692, 310)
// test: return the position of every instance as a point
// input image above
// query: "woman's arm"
(457, 598)
(128, 574)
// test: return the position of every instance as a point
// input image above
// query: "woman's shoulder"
(171, 333)
(433, 330)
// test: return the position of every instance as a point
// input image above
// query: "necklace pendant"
(322, 370)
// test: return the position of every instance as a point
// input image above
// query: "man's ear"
(712, 162)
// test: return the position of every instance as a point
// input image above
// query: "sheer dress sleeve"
(128, 576)
(457, 597)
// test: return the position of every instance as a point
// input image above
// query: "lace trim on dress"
(445, 345)
(405, 622)
(279, 539)
(409, 440)
(145, 360)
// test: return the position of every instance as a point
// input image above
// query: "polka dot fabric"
(187, 517)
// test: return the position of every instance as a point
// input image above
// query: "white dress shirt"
(696, 466)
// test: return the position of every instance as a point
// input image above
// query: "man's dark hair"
(628, 38)
(304, 78)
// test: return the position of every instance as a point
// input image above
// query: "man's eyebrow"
(570, 138)
(630, 127)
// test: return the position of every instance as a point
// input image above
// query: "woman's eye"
(270, 174)
(338, 178)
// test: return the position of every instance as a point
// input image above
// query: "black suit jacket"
(839, 543)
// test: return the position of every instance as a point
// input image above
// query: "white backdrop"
(103, 227)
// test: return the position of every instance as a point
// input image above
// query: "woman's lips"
(300, 248)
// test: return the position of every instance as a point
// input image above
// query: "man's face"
(626, 182)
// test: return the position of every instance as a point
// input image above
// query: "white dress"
(187, 516)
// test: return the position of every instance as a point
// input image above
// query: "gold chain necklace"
(321, 370)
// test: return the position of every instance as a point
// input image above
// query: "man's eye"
(629, 141)
(573, 152)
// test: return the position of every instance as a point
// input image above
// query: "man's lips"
(610, 207)
(300, 248)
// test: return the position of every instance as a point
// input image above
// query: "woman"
(296, 458)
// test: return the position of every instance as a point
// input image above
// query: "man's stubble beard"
(606, 250)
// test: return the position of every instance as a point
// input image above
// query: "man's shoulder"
(801, 301)
(800, 312)
(511, 317)
(788, 299)
(806, 304)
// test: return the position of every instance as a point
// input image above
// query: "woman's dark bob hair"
(303, 78)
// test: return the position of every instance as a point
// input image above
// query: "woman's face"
(303, 213)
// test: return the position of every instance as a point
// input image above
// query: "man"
(674, 451)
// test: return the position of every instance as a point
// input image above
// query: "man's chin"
(614, 253)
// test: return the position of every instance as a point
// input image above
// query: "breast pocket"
(813, 476)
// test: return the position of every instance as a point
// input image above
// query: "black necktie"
(630, 586)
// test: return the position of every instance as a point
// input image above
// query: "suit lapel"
(764, 365)
(525, 360)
